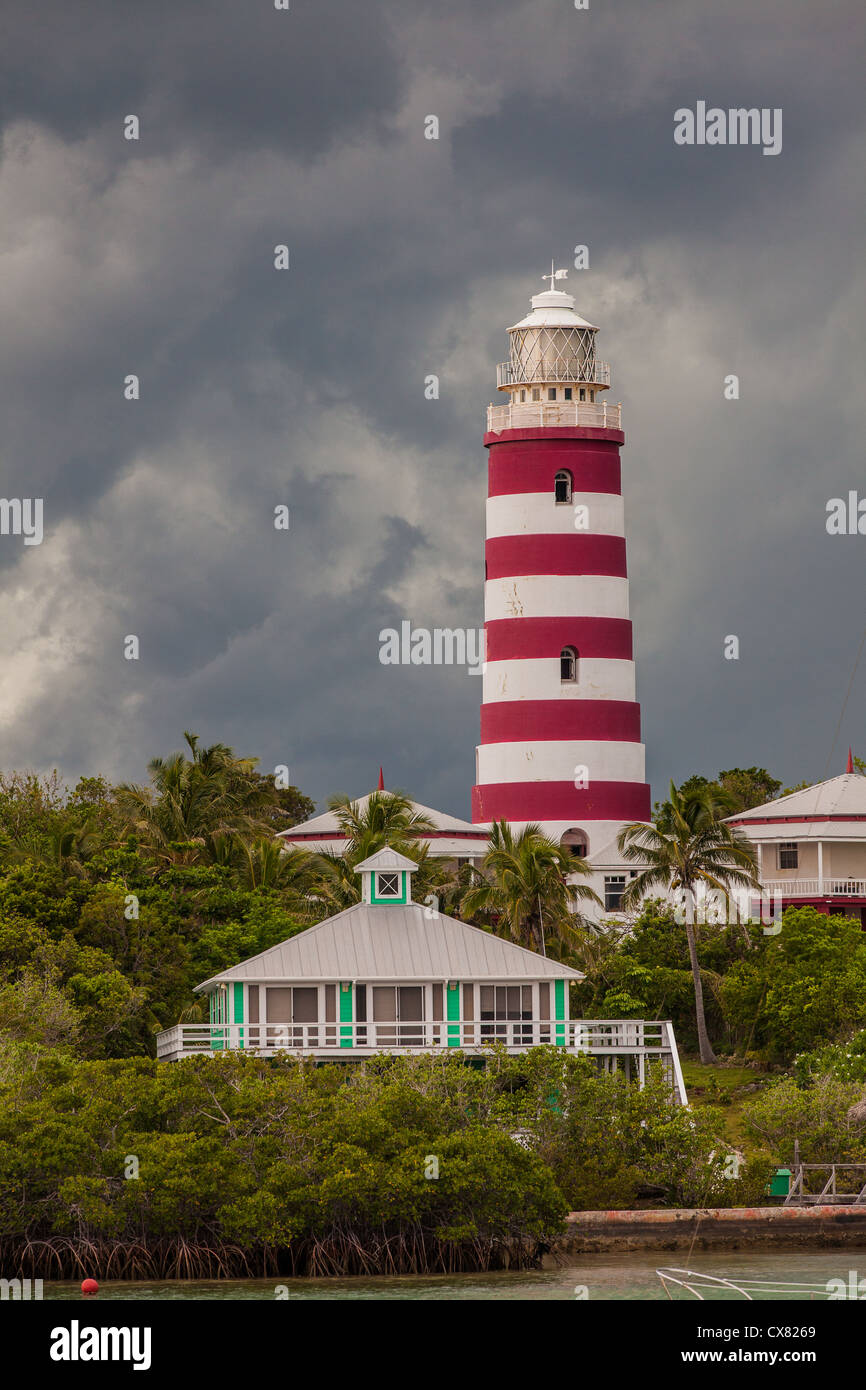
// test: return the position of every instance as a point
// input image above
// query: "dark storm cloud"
(409, 257)
(224, 74)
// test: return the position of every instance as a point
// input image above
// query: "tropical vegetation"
(689, 845)
(116, 901)
(242, 1166)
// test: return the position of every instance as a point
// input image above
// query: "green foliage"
(801, 988)
(645, 972)
(616, 1142)
(232, 1148)
(846, 1061)
(526, 887)
(745, 786)
(35, 1009)
(767, 996)
(689, 845)
(103, 933)
(114, 904)
(816, 1115)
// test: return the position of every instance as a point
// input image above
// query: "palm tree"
(71, 848)
(525, 887)
(688, 844)
(263, 863)
(196, 805)
(387, 818)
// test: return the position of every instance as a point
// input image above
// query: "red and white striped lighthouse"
(560, 726)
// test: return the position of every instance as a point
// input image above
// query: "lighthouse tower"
(560, 726)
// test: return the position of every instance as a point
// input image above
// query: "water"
(621, 1276)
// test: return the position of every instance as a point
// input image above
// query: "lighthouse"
(560, 725)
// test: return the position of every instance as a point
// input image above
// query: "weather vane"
(554, 275)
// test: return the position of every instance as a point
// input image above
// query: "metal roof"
(397, 943)
(386, 858)
(327, 822)
(839, 797)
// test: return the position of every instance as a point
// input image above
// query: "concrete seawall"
(710, 1228)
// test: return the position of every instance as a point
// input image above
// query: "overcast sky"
(408, 257)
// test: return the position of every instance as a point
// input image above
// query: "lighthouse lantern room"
(560, 726)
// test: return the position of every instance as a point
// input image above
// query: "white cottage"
(392, 975)
(811, 847)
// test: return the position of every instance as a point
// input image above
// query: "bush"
(817, 1116)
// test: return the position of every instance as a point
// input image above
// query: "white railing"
(826, 887)
(369, 1037)
(592, 373)
(605, 1038)
(599, 415)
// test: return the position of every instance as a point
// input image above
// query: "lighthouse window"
(551, 393)
(567, 393)
(536, 393)
(568, 664)
(562, 487)
(388, 885)
(576, 843)
(583, 393)
(523, 395)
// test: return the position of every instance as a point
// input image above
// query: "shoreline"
(586, 1233)
(712, 1228)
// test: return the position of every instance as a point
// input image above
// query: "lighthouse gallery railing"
(600, 415)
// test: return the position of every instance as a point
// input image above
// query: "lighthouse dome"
(552, 344)
(553, 309)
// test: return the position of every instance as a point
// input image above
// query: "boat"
(703, 1286)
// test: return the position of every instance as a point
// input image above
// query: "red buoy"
(89, 1286)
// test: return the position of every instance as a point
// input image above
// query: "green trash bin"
(780, 1183)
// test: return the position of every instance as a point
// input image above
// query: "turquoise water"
(627, 1276)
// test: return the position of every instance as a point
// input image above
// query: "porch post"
(218, 1017)
(559, 1010)
(452, 1011)
(347, 1016)
(238, 1011)
(820, 868)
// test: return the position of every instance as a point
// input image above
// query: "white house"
(811, 846)
(450, 837)
(392, 975)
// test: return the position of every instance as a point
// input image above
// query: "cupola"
(386, 877)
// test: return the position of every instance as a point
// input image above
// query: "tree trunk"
(708, 1056)
(536, 935)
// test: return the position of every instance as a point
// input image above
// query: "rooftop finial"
(850, 767)
(555, 275)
